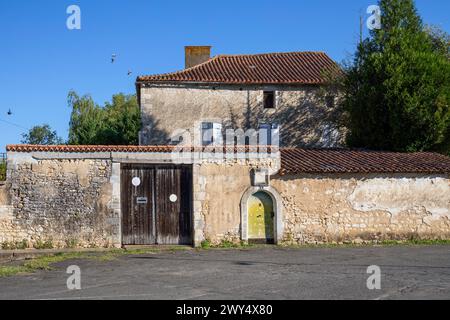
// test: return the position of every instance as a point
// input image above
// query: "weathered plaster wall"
(66, 201)
(304, 118)
(218, 189)
(331, 208)
(338, 208)
(223, 188)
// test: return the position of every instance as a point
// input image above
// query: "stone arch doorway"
(261, 215)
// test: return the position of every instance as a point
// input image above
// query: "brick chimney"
(195, 55)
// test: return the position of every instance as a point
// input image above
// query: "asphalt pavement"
(271, 273)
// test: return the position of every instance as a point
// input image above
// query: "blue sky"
(41, 60)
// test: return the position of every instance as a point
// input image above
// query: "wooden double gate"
(156, 204)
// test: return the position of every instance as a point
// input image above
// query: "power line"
(13, 124)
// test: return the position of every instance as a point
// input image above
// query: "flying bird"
(113, 58)
(129, 72)
(9, 113)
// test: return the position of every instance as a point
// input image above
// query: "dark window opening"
(330, 101)
(269, 99)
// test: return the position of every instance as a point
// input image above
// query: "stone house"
(184, 191)
(279, 92)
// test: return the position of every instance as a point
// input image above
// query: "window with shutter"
(206, 133)
(217, 133)
(269, 134)
(211, 133)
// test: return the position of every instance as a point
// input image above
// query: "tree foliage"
(41, 135)
(115, 123)
(396, 92)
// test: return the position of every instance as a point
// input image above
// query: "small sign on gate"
(141, 200)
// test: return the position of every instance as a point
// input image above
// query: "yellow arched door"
(260, 217)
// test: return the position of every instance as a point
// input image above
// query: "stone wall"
(333, 208)
(74, 200)
(6, 213)
(362, 207)
(64, 202)
(301, 112)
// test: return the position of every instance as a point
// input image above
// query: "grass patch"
(206, 244)
(45, 262)
(39, 263)
(7, 271)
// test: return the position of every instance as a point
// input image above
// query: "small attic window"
(269, 99)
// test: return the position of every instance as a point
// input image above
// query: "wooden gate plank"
(137, 222)
(167, 212)
(186, 206)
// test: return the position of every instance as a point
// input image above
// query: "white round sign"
(136, 181)
(173, 198)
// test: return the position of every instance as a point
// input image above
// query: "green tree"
(41, 135)
(86, 119)
(116, 123)
(396, 93)
(122, 121)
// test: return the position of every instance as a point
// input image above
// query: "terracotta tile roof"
(85, 148)
(130, 149)
(295, 161)
(269, 68)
